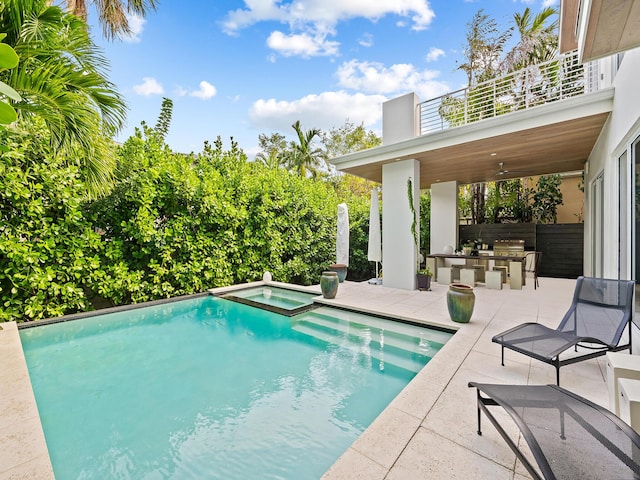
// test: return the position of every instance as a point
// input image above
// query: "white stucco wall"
(444, 216)
(399, 256)
(400, 120)
(622, 127)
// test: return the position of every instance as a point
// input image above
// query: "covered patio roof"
(599, 28)
(551, 138)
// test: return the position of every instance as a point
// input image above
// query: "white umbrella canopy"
(374, 252)
(342, 239)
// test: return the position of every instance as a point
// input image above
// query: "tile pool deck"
(428, 431)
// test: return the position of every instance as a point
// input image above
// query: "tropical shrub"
(48, 250)
(546, 199)
(425, 221)
(177, 224)
(172, 224)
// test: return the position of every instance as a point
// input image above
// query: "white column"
(399, 255)
(444, 216)
(400, 119)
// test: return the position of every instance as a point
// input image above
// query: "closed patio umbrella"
(342, 239)
(374, 252)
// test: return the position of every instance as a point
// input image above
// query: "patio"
(428, 431)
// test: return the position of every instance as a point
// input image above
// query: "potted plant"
(423, 277)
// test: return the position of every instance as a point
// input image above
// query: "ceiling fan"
(503, 171)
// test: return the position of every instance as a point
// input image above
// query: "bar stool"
(468, 276)
(504, 271)
(493, 280)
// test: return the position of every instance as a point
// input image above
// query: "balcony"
(557, 112)
(558, 79)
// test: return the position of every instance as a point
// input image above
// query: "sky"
(241, 68)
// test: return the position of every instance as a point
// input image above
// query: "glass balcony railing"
(539, 84)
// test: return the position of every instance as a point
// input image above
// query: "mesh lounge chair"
(569, 437)
(600, 311)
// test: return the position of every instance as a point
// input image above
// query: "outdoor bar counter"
(515, 262)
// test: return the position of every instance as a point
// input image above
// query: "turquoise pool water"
(206, 388)
(281, 300)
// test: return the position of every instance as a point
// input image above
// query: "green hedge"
(172, 224)
(48, 249)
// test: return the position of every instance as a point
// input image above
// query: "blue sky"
(238, 68)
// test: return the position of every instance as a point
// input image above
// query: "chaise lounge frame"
(619, 452)
(600, 312)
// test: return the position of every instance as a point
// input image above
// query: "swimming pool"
(279, 300)
(207, 388)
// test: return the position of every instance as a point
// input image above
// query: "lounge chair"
(600, 311)
(568, 436)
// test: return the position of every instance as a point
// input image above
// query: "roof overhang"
(599, 28)
(553, 138)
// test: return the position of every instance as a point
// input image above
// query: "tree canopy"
(61, 78)
(113, 15)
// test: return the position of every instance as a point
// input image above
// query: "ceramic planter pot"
(424, 281)
(329, 284)
(460, 302)
(340, 269)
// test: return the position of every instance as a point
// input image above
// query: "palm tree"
(483, 49)
(112, 14)
(273, 150)
(302, 156)
(8, 59)
(61, 80)
(538, 39)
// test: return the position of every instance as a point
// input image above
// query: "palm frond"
(61, 78)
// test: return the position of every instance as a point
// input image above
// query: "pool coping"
(104, 311)
(23, 449)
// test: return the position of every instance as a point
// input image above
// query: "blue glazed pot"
(460, 302)
(329, 284)
(340, 269)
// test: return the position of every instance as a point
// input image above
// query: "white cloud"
(434, 54)
(366, 40)
(324, 111)
(136, 25)
(374, 77)
(327, 12)
(303, 44)
(549, 3)
(149, 86)
(205, 92)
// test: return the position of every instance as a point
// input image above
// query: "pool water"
(279, 300)
(208, 388)
(384, 343)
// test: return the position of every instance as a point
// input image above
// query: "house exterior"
(591, 126)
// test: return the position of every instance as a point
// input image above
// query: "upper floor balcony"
(558, 79)
(542, 119)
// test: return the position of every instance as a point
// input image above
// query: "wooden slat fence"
(562, 245)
